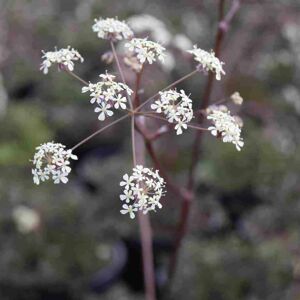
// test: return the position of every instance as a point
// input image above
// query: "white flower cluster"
(208, 61)
(107, 94)
(52, 160)
(113, 29)
(25, 218)
(177, 107)
(142, 191)
(146, 50)
(226, 126)
(64, 56)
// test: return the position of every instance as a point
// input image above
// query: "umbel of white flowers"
(112, 29)
(176, 106)
(208, 61)
(51, 160)
(146, 50)
(107, 94)
(64, 56)
(142, 191)
(144, 188)
(226, 125)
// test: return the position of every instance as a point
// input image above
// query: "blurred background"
(70, 241)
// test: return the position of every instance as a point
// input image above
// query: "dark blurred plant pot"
(34, 288)
(107, 276)
(133, 273)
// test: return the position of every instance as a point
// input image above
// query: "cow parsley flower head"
(146, 50)
(107, 94)
(112, 29)
(176, 106)
(52, 160)
(64, 57)
(142, 191)
(208, 61)
(225, 126)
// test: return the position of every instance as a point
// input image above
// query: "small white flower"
(103, 108)
(155, 203)
(71, 155)
(107, 94)
(136, 189)
(120, 101)
(128, 209)
(208, 61)
(179, 126)
(127, 196)
(60, 177)
(64, 165)
(112, 29)
(26, 219)
(52, 161)
(177, 107)
(146, 50)
(158, 106)
(142, 202)
(142, 191)
(127, 181)
(227, 126)
(64, 56)
(36, 177)
(236, 98)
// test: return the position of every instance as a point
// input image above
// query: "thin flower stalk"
(173, 84)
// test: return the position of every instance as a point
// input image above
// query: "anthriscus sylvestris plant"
(143, 186)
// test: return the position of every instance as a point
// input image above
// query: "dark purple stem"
(186, 205)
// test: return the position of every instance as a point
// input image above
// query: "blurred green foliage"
(24, 126)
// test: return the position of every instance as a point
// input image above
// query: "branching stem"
(155, 116)
(76, 76)
(166, 88)
(120, 70)
(99, 131)
(224, 21)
